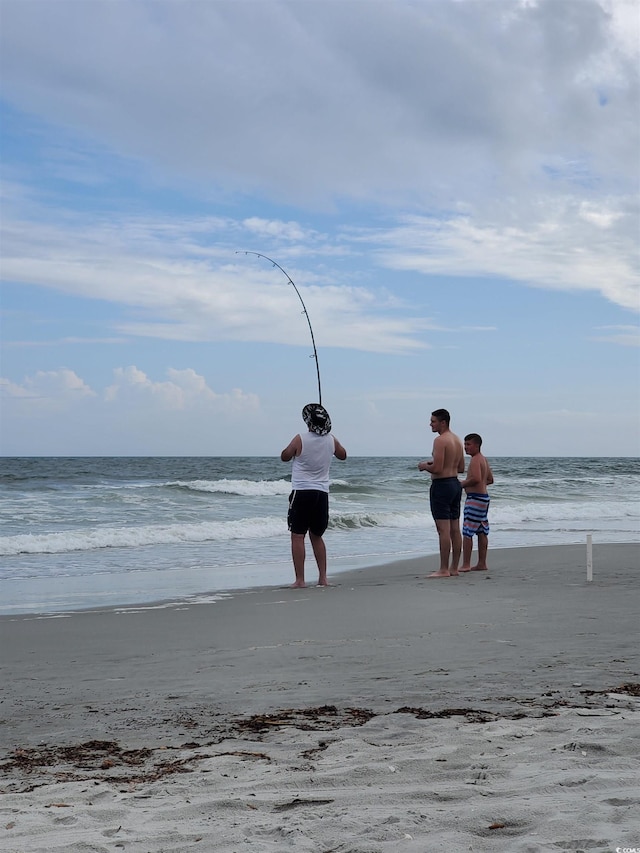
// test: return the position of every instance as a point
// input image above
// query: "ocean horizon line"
(275, 456)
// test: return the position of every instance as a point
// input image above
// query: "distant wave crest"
(502, 516)
(94, 538)
(245, 488)
(91, 539)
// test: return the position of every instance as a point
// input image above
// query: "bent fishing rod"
(304, 311)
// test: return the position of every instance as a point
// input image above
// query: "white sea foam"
(398, 520)
(245, 488)
(94, 538)
(567, 516)
(555, 512)
(91, 539)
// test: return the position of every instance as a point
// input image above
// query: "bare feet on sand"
(298, 585)
(473, 568)
(443, 575)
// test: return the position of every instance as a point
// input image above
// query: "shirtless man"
(476, 506)
(445, 492)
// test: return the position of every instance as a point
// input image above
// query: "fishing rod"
(304, 311)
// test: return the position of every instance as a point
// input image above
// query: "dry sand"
(492, 712)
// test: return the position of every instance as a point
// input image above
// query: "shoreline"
(368, 567)
(364, 562)
(491, 712)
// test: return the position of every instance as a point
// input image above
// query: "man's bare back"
(447, 456)
(444, 495)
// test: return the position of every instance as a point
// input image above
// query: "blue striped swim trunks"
(476, 511)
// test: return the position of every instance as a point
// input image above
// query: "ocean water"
(95, 532)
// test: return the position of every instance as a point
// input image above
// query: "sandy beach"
(492, 712)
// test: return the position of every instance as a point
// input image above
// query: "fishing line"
(304, 311)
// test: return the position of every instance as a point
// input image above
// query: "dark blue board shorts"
(308, 511)
(444, 496)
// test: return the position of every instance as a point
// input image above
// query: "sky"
(453, 186)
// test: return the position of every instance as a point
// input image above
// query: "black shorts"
(444, 497)
(308, 511)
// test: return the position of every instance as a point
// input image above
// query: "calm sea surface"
(94, 532)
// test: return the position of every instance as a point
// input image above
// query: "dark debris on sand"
(95, 759)
(107, 761)
(630, 689)
(306, 719)
(472, 715)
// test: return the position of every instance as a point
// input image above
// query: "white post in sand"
(589, 557)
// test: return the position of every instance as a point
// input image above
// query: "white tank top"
(311, 469)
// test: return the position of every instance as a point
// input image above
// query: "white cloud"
(192, 285)
(562, 244)
(429, 107)
(56, 413)
(13, 389)
(49, 387)
(185, 389)
(319, 101)
(603, 217)
(275, 228)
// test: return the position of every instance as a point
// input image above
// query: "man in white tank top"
(309, 498)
